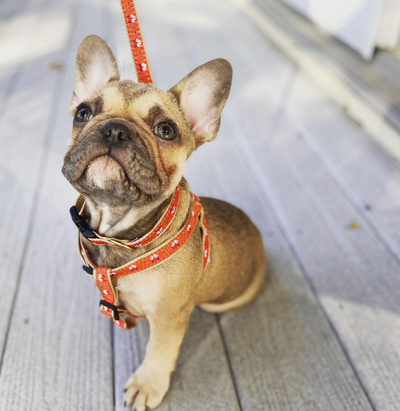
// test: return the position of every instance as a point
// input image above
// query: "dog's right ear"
(95, 67)
(202, 95)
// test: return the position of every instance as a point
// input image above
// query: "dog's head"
(130, 140)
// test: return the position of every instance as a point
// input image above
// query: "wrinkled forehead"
(127, 98)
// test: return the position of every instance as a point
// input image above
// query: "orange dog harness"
(103, 275)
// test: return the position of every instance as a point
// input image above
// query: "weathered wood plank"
(356, 278)
(24, 124)
(202, 380)
(369, 178)
(58, 354)
(365, 172)
(354, 274)
(283, 351)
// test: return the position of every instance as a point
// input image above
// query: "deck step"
(369, 92)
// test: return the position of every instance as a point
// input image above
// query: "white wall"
(361, 24)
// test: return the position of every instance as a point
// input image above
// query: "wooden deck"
(325, 333)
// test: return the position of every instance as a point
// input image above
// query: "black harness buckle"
(81, 223)
(87, 270)
(111, 307)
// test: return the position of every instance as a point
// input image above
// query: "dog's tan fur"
(127, 186)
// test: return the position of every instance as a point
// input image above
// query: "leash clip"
(81, 223)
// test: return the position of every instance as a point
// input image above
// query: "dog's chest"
(141, 292)
(111, 256)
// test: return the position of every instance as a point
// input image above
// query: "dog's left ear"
(202, 96)
(95, 67)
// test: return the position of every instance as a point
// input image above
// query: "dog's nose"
(115, 131)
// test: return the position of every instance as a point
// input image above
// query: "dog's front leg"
(149, 384)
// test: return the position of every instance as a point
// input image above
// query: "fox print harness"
(103, 276)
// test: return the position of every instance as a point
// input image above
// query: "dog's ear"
(202, 95)
(95, 67)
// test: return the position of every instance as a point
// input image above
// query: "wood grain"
(283, 352)
(58, 354)
(29, 96)
(324, 333)
(352, 270)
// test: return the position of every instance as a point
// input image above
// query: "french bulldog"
(126, 155)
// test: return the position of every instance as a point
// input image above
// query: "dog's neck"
(128, 223)
(124, 221)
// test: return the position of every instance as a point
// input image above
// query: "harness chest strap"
(103, 275)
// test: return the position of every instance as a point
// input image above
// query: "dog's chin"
(105, 170)
(105, 180)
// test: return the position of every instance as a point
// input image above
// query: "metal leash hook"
(136, 42)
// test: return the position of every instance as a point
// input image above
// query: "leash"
(103, 276)
(136, 42)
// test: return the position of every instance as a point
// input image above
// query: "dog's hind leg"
(248, 295)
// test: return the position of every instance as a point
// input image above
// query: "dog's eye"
(83, 114)
(165, 130)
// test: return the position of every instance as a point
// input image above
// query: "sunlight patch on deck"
(31, 35)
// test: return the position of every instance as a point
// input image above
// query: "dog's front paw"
(146, 389)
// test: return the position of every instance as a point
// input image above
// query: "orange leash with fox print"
(136, 42)
(103, 276)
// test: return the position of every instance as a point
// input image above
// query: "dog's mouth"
(106, 168)
(105, 165)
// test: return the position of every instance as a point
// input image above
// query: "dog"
(126, 155)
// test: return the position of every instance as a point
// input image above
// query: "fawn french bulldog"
(126, 157)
